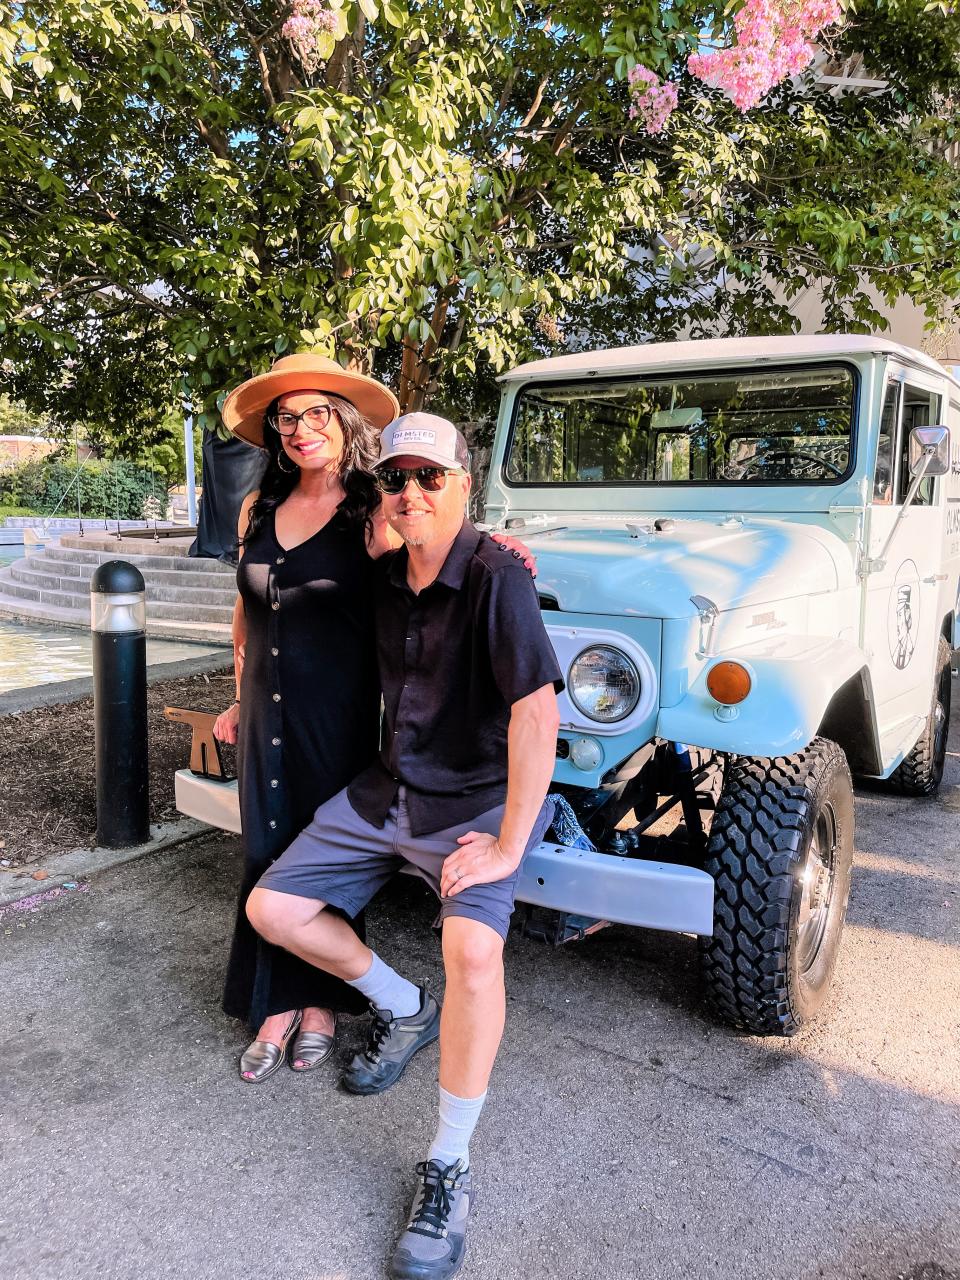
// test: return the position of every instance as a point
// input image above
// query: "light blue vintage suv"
(748, 557)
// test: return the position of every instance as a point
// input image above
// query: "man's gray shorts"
(343, 860)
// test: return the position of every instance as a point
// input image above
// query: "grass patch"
(17, 511)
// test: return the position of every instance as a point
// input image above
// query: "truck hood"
(627, 566)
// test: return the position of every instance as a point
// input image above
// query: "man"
(458, 792)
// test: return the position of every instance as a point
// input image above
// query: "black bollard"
(118, 620)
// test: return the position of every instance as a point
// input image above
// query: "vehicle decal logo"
(903, 619)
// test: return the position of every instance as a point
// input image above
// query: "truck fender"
(801, 686)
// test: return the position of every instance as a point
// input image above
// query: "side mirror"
(929, 455)
(929, 451)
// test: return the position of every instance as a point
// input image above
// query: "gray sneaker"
(434, 1243)
(393, 1042)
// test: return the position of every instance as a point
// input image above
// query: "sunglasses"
(430, 479)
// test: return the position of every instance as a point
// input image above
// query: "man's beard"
(413, 539)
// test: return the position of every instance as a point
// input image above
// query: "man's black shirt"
(453, 660)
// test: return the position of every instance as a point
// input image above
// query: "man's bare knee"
(472, 953)
(276, 916)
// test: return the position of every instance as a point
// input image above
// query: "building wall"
(17, 449)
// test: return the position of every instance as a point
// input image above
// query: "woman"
(306, 718)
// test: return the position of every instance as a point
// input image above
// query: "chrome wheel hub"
(816, 889)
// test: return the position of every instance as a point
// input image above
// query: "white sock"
(387, 991)
(458, 1119)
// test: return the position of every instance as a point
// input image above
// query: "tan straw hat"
(244, 408)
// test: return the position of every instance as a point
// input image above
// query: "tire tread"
(753, 852)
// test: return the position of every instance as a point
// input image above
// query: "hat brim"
(418, 451)
(244, 408)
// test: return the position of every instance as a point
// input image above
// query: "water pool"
(31, 655)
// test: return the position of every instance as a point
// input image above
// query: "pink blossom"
(653, 101)
(773, 43)
(297, 28)
(309, 19)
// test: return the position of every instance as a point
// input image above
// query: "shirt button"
(276, 697)
(274, 652)
(281, 559)
(275, 606)
(276, 742)
(272, 825)
(274, 782)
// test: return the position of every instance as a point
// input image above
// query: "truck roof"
(711, 351)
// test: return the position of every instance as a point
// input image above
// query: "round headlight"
(604, 684)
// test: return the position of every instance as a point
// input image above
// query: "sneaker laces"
(383, 1024)
(430, 1213)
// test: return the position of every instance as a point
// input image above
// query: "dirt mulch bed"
(48, 798)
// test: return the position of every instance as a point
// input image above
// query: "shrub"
(108, 490)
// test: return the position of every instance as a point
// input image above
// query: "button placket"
(274, 726)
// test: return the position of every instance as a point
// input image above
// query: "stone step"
(184, 592)
(115, 548)
(82, 551)
(81, 571)
(175, 609)
(20, 610)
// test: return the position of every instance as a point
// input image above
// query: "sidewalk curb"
(81, 864)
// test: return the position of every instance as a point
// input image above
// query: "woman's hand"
(226, 725)
(518, 549)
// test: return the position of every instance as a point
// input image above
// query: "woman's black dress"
(309, 722)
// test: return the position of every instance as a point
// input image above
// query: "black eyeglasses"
(430, 479)
(317, 418)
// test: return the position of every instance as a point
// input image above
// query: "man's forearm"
(531, 755)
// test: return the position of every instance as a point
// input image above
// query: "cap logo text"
(411, 435)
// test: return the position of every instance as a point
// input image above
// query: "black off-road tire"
(766, 969)
(921, 771)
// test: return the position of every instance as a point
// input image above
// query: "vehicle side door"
(901, 617)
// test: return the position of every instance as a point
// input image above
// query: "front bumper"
(635, 891)
(651, 895)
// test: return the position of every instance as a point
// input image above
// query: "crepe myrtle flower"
(774, 41)
(653, 101)
(309, 19)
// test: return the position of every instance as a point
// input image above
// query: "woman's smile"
(306, 447)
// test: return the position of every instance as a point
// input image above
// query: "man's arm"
(531, 755)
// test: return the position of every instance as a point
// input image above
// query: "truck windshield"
(788, 426)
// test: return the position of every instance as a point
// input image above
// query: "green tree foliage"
(116, 490)
(15, 420)
(453, 187)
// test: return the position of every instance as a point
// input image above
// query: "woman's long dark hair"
(361, 448)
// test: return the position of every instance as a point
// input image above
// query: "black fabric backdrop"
(231, 470)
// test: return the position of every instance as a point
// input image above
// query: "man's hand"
(479, 860)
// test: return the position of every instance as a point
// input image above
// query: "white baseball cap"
(424, 435)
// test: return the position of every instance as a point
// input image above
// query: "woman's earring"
(289, 470)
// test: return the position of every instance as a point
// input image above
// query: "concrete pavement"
(627, 1135)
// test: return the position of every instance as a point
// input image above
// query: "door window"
(920, 409)
(883, 477)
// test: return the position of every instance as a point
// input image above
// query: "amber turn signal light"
(729, 683)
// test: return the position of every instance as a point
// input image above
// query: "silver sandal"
(312, 1048)
(262, 1058)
